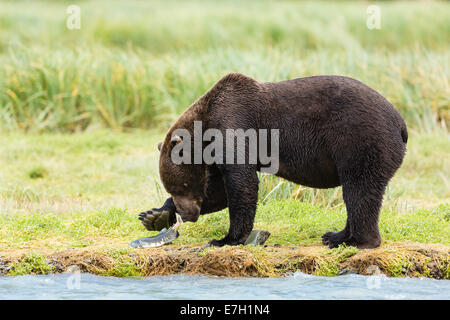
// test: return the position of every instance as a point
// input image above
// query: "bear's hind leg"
(363, 200)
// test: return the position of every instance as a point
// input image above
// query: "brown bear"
(333, 131)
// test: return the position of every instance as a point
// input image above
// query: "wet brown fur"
(334, 131)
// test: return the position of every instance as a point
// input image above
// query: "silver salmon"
(163, 237)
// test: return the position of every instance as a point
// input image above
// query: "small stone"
(257, 237)
(346, 271)
(58, 267)
(4, 268)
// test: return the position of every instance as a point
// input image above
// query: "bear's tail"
(404, 133)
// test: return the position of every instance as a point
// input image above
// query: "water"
(296, 286)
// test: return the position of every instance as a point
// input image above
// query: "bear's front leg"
(241, 186)
(158, 219)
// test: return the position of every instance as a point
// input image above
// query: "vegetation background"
(81, 111)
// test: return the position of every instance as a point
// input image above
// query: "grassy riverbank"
(81, 112)
(79, 196)
(398, 259)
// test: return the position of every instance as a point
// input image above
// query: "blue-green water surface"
(296, 286)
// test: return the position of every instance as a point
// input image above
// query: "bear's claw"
(154, 220)
(334, 239)
(214, 243)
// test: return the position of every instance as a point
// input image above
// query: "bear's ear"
(159, 146)
(175, 140)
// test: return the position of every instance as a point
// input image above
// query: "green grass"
(72, 90)
(290, 222)
(32, 263)
(81, 111)
(139, 64)
(167, 26)
(97, 183)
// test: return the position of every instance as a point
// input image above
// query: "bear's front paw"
(155, 220)
(214, 243)
(222, 242)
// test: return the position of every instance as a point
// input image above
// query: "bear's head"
(185, 182)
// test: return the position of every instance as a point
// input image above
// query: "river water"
(295, 286)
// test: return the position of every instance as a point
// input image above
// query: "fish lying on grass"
(256, 237)
(163, 237)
